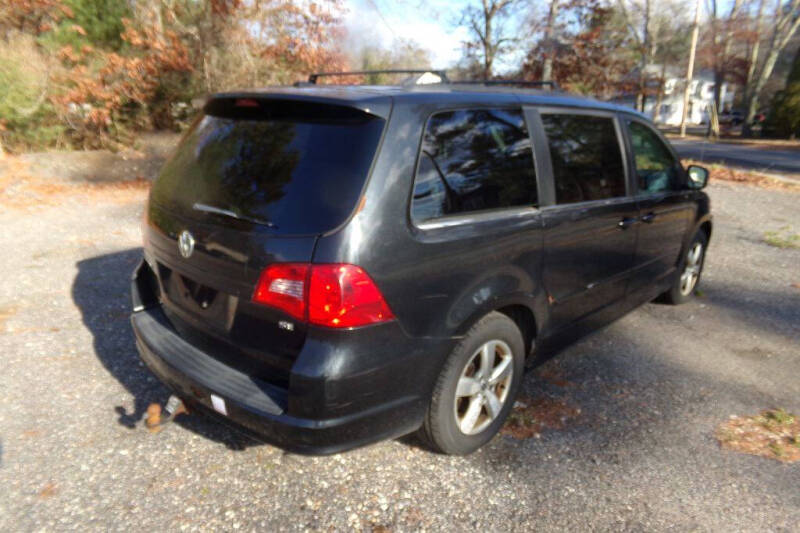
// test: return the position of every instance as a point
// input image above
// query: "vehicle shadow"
(101, 291)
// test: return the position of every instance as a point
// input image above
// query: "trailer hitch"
(155, 420)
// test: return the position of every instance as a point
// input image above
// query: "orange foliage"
(32, 16)
(300, 37)
(100, 92)
(224, 7)
(119, 81)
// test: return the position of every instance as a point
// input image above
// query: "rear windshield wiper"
(232, 214)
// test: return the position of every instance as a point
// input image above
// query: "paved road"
(770, 160)
(641, 455)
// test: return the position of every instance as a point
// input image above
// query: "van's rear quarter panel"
(437, 282)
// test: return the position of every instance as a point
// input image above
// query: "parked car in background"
(328, 266)
(733, 118)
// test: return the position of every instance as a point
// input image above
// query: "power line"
(383, 19)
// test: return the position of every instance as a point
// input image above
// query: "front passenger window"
(656, 169)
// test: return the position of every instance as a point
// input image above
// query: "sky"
(430, 23)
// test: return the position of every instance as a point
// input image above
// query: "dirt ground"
(630, 446)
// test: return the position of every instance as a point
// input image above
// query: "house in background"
(671, 107)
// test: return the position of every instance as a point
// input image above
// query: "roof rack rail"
(312, 78)
(515, 83)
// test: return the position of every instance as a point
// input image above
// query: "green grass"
(776, 419)
(781, 417)
(782, 239)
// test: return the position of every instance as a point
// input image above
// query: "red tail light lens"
(283, 285)
(331, 295)
(344, 296)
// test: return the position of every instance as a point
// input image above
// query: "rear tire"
(477, 387)
(690, 268)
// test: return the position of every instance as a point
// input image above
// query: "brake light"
(331, 295)
(344, 296)
(246, 102)
(283, 286)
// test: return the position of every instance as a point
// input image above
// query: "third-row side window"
(586, 156)
(473, 160)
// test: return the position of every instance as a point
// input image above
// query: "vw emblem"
(185, 244)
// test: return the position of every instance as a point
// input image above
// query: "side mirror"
(698, 176)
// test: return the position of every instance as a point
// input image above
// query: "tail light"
(344, 296)
(331, 295)
(284, 286)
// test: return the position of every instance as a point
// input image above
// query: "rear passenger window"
(586, 156)
(472, 160)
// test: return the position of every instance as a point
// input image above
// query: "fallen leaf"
(48, 491)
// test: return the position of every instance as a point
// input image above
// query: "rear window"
(299, 168)
(473, 160)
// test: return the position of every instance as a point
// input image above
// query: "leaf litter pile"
(532, 415)
(773, 433)
(724, 173)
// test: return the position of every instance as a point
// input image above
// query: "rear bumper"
(346, 388)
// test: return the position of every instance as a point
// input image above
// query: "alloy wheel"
(483, 387)
(691, 272)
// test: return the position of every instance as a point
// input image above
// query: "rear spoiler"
(308, 105)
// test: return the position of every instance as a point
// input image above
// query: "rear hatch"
(253, 182)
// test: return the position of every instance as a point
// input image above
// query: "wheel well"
(525, 321)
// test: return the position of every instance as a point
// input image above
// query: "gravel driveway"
(640, 456)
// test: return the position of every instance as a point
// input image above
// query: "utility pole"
(690, 68)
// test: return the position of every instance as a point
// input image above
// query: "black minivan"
(328, 266)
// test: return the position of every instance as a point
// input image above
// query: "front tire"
(690, 268)
(477, 387)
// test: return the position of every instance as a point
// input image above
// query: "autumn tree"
(32, 17)
(107, 93)
(113, 67)
(586, 55)
(756, 29)
(401, 54)
(784, 116)
(489, 33)
(671, 38)
(549, 44)
(719, 51)
(235, 43)
(101, 20)
(27, 117)
(784, 21)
